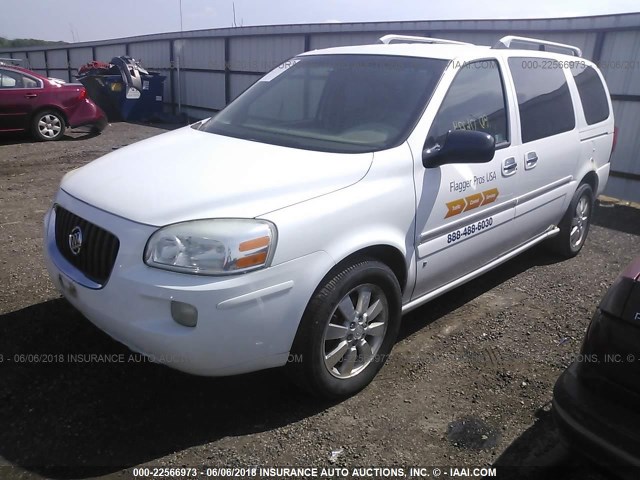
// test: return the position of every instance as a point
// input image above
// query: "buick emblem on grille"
(75, 240)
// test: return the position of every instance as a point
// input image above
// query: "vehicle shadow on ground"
(174, 124)
(73, 135)
(456, 298)
(536, 450)
(539, 453)
(65, 415)
(614, 216)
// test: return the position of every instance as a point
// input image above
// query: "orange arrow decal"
(473, 201)
(455, 208)
(490, 196)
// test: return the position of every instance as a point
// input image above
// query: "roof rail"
(5, 60)
(505, 42)
(414, 39)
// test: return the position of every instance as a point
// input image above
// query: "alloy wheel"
(355, 331)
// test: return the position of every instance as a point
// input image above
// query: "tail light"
(83, 95)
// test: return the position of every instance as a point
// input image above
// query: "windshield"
(335, 103)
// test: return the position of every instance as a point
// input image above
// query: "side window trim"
(39, 82)
(506, 143)
(582, 101)
(544, 64)
(507, 111)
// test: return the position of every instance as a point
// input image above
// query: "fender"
(377, 210)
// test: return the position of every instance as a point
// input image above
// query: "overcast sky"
(84, 20)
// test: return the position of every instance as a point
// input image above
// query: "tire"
(347, 331)
(48, 126)
(574, 226)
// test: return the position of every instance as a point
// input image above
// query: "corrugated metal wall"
(215, 66)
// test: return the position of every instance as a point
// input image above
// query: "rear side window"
(593, 96)
(29, 82)
(475, 101)
(543, 96)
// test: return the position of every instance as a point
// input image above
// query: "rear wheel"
(347, 330)
(574, 226)
(48, 125)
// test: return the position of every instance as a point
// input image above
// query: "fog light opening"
(184, 314)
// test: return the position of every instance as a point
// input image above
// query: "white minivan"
(345, 188)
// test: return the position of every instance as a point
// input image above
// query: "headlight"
(212, 247)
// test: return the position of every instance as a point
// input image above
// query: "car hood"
(188, 174)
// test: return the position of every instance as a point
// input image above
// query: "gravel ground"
(468, 384)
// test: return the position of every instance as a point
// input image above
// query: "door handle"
(509, 166)
(31, 95)
(530, 160)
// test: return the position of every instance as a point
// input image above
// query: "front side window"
(475, 101)
(593, 96)
(337, 103)
(544, 100)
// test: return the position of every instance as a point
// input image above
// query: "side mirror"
(460, 146)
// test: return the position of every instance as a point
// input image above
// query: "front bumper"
(595, 421)
(246, 322)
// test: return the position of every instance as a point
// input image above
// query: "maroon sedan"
(43, 106)
(596, 401)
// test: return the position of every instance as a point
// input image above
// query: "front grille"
(98, 249)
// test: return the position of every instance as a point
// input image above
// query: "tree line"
(24, 42)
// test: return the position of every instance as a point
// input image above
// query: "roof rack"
(387, 39)
(505, 42)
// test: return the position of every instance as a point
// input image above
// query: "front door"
(18, 97)
(464, 211)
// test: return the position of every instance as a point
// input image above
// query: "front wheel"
(347, 330)
(48, 126)
(574, 226)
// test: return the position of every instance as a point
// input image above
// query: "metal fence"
(206, 69)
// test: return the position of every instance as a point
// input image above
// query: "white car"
(345, 188)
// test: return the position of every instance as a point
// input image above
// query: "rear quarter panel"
(596, 141)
